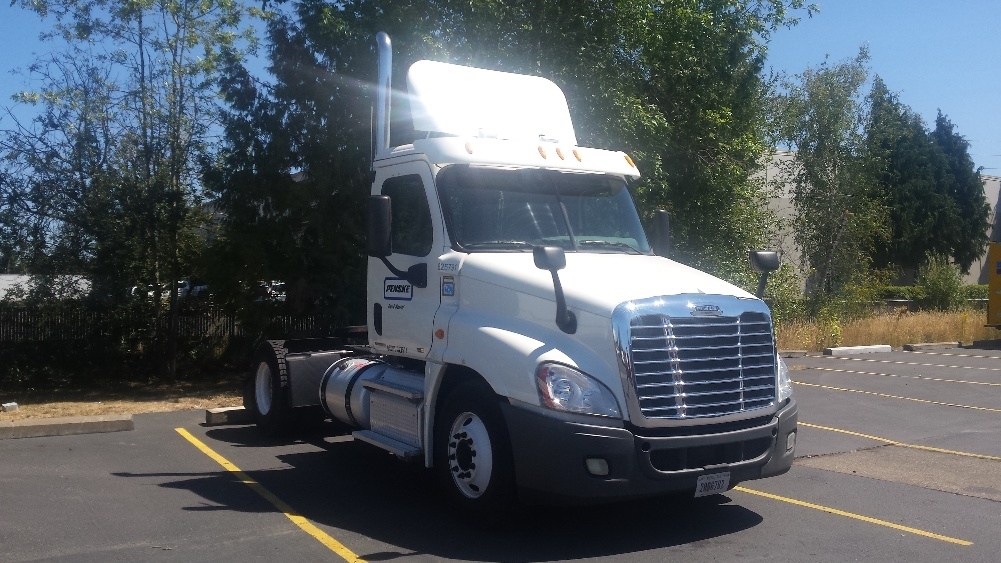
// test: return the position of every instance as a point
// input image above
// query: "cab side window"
(412, 231)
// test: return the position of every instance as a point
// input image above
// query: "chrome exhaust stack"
(384, 90)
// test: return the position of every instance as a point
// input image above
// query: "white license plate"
(712, 484)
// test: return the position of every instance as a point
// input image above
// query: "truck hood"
(595, 282)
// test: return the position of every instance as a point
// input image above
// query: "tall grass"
(893, 328)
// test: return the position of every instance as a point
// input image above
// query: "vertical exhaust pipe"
(384, 90)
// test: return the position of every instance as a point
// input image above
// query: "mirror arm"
(762, 281)
(416, 274)
(552, 259)
(565, 319)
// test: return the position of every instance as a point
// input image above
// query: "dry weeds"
(129, 398)
(895, 329)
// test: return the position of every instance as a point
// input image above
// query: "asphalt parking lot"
(899, 458)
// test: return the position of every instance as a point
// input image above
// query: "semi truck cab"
(523, 338)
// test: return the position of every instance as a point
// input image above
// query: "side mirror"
(764, 262)
(553, 259)
(549, 258)
(662, 238)
(380, 226)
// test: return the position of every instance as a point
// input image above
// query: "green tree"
(839, 216)
(678, 85)
(908, 169)
(112, 159)
(962, 183)
(57, 169)
(941, 282)
(21, 237)
(291, 180)
(935, 196)
(695, 106)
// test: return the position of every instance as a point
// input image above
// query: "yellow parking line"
(901, 444)
(868, 519)
(873, 393)
(296, 518)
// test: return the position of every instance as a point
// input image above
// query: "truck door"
(401, 315)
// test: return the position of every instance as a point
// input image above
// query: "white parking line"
(921, 377)
(919, 364)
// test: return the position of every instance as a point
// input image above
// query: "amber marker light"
(629, 161)
(439, 334)
(542, 152)
(559, 153)
(469, 147)
(576, 155)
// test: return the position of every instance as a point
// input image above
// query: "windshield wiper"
(609, 244)
(500, 244)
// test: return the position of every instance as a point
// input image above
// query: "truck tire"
(472, 453)
(266, 394)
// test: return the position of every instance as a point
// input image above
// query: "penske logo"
(396, 289)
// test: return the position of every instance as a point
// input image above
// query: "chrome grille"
(697, 367)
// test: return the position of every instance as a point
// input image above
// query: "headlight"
(785, 385)
(566, 389)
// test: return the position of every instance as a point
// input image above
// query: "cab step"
(395, 447)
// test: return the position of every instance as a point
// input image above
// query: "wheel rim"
(470, 457)
(262, 388)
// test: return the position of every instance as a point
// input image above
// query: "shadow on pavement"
(353, 487)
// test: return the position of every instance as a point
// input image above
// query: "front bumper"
(550, 454)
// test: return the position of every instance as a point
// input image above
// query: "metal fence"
(66, 324)
(19, 324)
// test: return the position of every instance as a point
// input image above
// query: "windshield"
(490, 209)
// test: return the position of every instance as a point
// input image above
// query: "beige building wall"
(780, 203)
(992, 187)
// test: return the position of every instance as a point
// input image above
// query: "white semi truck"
(523, 339)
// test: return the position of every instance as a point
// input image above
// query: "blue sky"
(936, 55)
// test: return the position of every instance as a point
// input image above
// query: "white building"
(980, 269)
(67, 287)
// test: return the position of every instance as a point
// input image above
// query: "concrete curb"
(65, 426)
(227, 415)
(849, 350)
(931, 346)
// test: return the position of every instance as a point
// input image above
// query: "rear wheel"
(473, 458)
(266, 391)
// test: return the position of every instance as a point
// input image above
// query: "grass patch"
(127, 398)
(895, 329)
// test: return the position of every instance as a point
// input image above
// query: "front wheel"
(473, 458)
